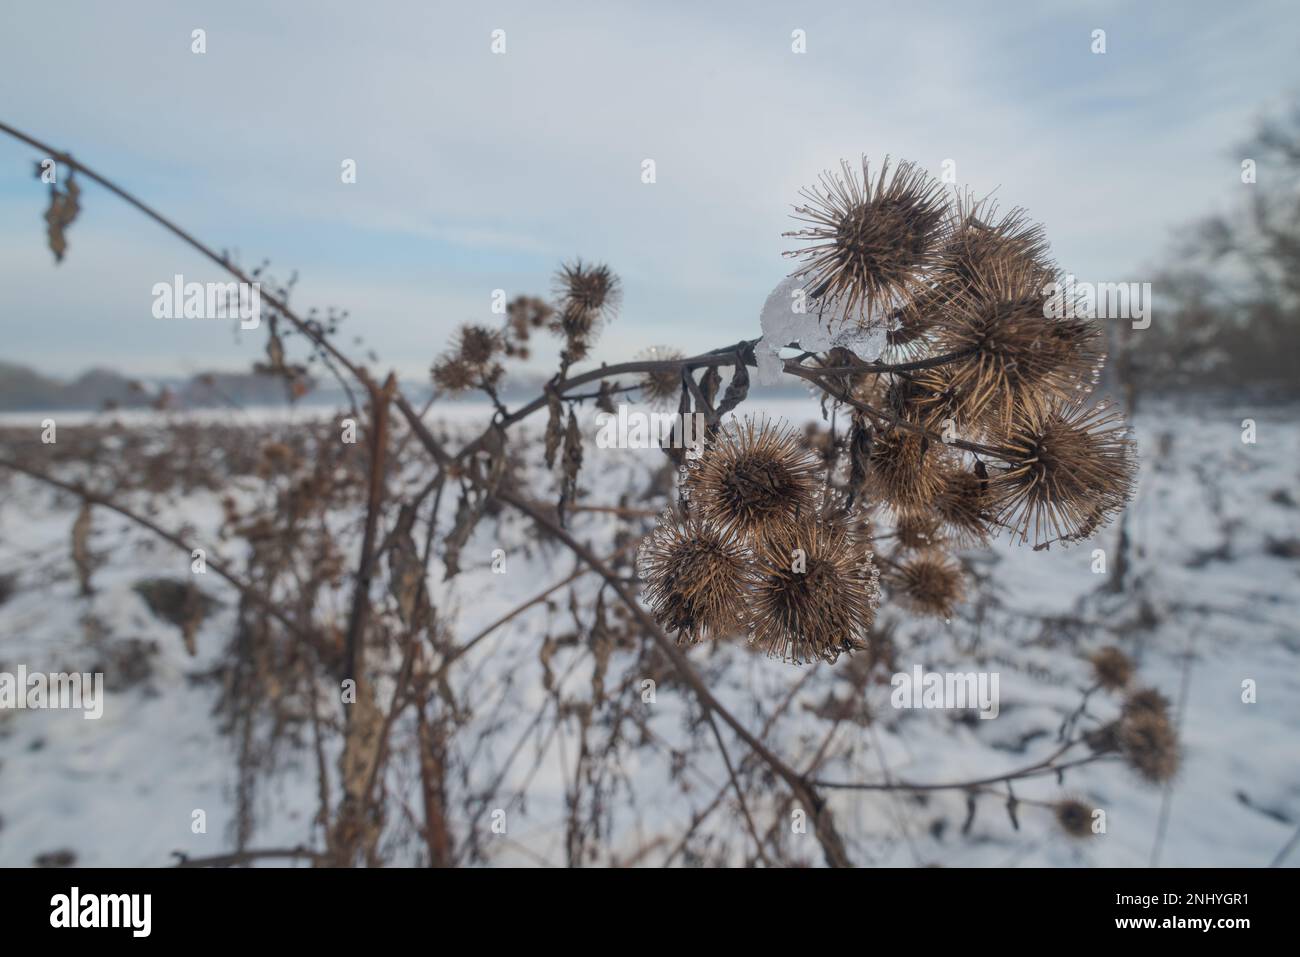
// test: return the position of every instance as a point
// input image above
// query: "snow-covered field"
(1213, 601)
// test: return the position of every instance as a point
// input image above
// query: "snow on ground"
(1215, 604)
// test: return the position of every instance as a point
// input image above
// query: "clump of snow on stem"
(813, 326)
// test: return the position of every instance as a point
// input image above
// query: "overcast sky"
(478, 171)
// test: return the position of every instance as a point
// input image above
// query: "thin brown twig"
(740, 793)
(1046, 766)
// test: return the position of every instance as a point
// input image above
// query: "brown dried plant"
(815, 592)
(965, 506)
(873, 237)
(1069, 470)
(979, 242)
(929, 584)
(984, 426)
(588, 295)
(906, 470)
(755, 477)
(661, 387)
(696, 577)
(1013, 356)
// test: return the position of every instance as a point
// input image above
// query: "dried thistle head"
(1074, 817)
(873, 237)
(1103, 739)
(526, 313)
(523, 315)
(453, 374)
(587, 294)
(979, 243)
(918, 532)
(754, 478)
(477, 345)
(661, 387)
(965, 506)
(907, 338)
(1146, 701)
(1111, 668)
(819, 442)
(815, 591)
(1069, 471)
(1016, 354)
(1150, 745)
(905, 470)
(587, 286)
(932, 399)
(696, 576)
(929, 584)
(469, 363)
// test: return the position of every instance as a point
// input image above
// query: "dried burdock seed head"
(1150, 745)
(1112, 668)
(477, 345)
(588, 294)
(576, 347)
(929, 584)
(1103, 739)
(1016, 356)
(912, 320)
(453, 374)
(918, 532)
(661, 387)
(1146, 701)
(525, 313)
(873, 238)
(1069, 471)
(589, 287)
(490, 375)
(815, 591)
(931, 399)
(905, 470)
(966, 507)
(979, 243)
(754, 478)
(696, 576)
(818, 441)
(1074, 817)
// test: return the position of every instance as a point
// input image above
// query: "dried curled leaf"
(859, 443)
(63, 209)
(81, 555)
(710, 383)
(676, 447)
(572, 464)
(470, 508)
(602, 646)
(275, 351)
(554, 425)
(737, 388)
(605, 400)
(544, 655)
(466, 518)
